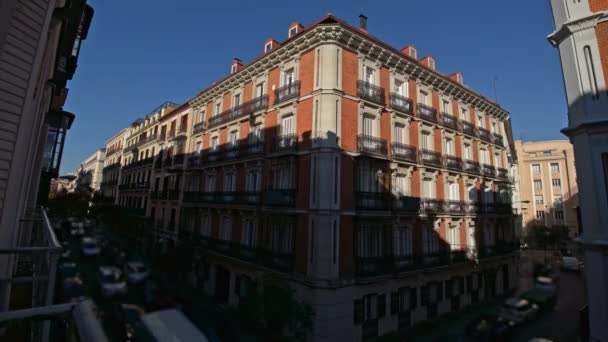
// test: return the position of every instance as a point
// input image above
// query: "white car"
(136, 272)
(518, 310)
(111, 281)
(571, 263)
(546, 283)
(90, 247)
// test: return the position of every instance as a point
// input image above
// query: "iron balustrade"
(198, 127)
(487, 170)
(456, 207)
(371, 144)
(138, 163)
(432, 158)
(473, 207)
(484, 134)
(372, 200)
(135, 186)
(502, 173)
(471, 166)
(240, 111)
(178, 159)
(452, 162)
(111, 167)
(499, 248)
(449, 121)
(468, 128)
(287, 92)
(498, 140)
(427, 112)
(403, 152)
(194, 160)
(222, 197)
(402, 104)
(286, 142)
(370, 92)
(432, 206)
(279, 198)
(407, 204)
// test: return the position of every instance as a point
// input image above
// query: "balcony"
(471, 166)
(468, 129)
(370, 92)
(178, 159)
(449, 121)
(504, 208)
(194, 160)
(279, 198)
(432, 206)
(287, 142)
(198, 127)
(180, 133)
(499, 248)
(430, 158)
(401, 104)
(372, 200)
(407, 204)
(498, 140)
(484, 134)
(222, 197)
(138, 163)
(488, 170)
(455, 207)
(158, 163)
(403, 152)
(502, 173)
(427, 112)
(134, 186)
(240, 111)
(452, 162)
(170, 195)
(287, 92)
(371, 144)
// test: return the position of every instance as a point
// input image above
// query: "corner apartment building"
(581, 35)
(378, 186)
(90, 172)
(112, 165)
(548, 184)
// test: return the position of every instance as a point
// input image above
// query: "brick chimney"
(363, 23)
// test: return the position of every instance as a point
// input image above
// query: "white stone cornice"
(576, 25)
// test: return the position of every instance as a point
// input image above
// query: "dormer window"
(233, 69)
(268, 47)
(293, 31)
(459, 78)
(413, 53)
(432, 63)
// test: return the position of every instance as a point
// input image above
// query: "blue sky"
(141, 53)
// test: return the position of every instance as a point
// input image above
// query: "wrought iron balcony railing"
(407, 204)
(279, 198)
(498, 140)
(471, 166)
(198, 127)
(373, 200)
(427, 112)
(456, 207)
(449, 121)
(502, 173)
(286, 142)
(287, 92)
(432, 206)
(431, 158)
(402, 104)
(178, 159)
(484, 134)
(403, 152)
(371, 144)
(452, 162)
(488, 170)
(468, 128)
(240, 111)
(222, 197)
(370, 92)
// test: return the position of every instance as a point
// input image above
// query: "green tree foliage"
(69, 204)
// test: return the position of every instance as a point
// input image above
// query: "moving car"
(111, 282)
(136, 272)
(518, 310)
(90, 247)
(571, 263)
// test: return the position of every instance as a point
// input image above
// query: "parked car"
(545, 283)
(488, 328)
(571, 263)
(68, 270)
(73, 290)
(90, 247)
(518, 310)
(111, 281)
(136, 272)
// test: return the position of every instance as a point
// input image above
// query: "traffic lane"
(561, 324)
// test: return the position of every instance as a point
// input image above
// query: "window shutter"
(413, 298)
(381, 305)
(394, 303)
(358, 311)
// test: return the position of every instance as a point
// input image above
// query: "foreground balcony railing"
(371, 144)
(449, 121)
(452, 162)
(240, 111)
(370, 92)
(373, 200)
(471, 166)
(29, 282)
(431, 158)
(468, 128)
(427, 112)
(403, 152)
(401, 104)
(287, 92)
(222, 197)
